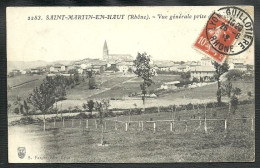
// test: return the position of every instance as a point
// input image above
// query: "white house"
(205, 61)
(237, 63)
(125, 66)
(183, 68)
(58, 68)
(23, 72)
(202, 72)
(35, 70)
(85, 66)
(170, 85)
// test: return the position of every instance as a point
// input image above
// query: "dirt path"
(22, 84)
(106, 89)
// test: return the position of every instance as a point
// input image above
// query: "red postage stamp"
(202, 44)
(217, 38)
(225, 34)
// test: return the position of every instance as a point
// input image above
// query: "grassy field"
(209, 91)
(115, 87)
(24, 90)
(80, 145)
(119, 87)
(12, 81)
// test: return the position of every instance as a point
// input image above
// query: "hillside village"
(203, 69)
(95, 102)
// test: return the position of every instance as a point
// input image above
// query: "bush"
(189, 106)
(136, 111)
(110, 114)
(234, 103)
(185, 75)
(26, 121)
(246, 101)
(81, 115)
(16, 110)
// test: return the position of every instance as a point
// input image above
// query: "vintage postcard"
(131, 84)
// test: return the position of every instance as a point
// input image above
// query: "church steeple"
(105, 51)
(105, 45)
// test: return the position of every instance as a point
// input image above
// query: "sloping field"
(78, 144)
(209, 91)
(28, 83)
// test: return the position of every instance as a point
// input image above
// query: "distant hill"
(32, 64)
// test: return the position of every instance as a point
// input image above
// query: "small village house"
(58, 68)
(205, 73)
(170, 85)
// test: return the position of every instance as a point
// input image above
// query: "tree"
(92, 81)
(42, 98)
(234, 74)
(102, 107)
(76, 77)
(26, 107)
(18, 103)
(90, 105)
(144, 70)
(60, 92)
(220, 70)
(85, 106)
(58, 84)
(72, 71)
(232, 93)
(76, 108)
(195, 80)
(185, 75)
(130, 70)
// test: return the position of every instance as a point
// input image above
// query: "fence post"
(225, 124)
(154, 127)
(205, 121)
(63, 122)
(171, 126)
(142, 124)
(86, 123)
(102, 135)
(96, 123)
(252, 124)
(105, 125)
(44, 124)
(126, 126)
(79, 122)
(54, 123)
(200, 122)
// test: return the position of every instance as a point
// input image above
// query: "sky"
(52, 40)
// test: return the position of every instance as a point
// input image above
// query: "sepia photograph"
(130, 84)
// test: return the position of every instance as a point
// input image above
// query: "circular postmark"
(230, 31)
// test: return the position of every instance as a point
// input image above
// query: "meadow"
(184, 144)
(24, 90)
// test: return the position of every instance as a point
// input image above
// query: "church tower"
(105, 51)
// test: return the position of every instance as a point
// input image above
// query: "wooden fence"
(114, 123)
